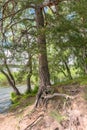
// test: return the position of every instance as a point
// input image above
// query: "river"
(5, 101)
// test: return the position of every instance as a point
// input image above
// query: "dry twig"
(38, 119)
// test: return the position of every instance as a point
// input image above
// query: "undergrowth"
(79, 80)
(23, 99)
(18, 100)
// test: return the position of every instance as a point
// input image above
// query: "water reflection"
(5, 101)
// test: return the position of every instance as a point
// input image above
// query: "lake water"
(5, 101)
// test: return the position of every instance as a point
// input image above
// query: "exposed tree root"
(38, 119)
(43, 91)
(49, 97)
(43, 99)
(58, 94)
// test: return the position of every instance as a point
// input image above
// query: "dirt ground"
(71, 115)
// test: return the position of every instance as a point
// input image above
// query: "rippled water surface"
(5, 101)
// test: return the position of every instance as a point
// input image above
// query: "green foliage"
(18, 77)
(79, 80)
(67, 82)
(15, 98)
(35, 90)
(13, 95)
(66, 36)
(22, 101)
(15, 105)
(3, 81)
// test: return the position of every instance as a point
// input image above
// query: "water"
(5, 101)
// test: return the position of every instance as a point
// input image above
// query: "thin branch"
(47, 3)
(21, 21)
(5, 4)
(2, 19)
(13, 14)
(52, 10)
(34, 122)
(50, 3)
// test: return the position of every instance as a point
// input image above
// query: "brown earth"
(60, 114)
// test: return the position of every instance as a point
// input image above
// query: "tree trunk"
(68, 70)
(63, 72)
(44, 75)
(85, 59)
(28, 84)
(11, 82)
(29, 67)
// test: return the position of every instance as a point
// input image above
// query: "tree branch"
(13, 14)
(7, 76)
(50, 3)
(21, 21)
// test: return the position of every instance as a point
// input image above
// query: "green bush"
(35, 90)
(32, 93)
(13, 95)
(15, 98)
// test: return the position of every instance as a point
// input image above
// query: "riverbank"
(5, 96)
(59, 115)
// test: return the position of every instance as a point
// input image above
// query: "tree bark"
(29, 67)
(85, 59)
(11, 82)
(44, 75)
(28, 84)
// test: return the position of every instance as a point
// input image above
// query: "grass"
(57, 116)
(79, 80)
(24, 99)
(3, 81)
(15, 98)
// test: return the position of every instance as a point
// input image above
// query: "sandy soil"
(75, 117)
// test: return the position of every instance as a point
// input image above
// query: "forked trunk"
(85, 59)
